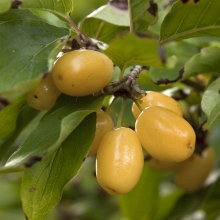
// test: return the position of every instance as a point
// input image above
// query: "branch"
(127, 86)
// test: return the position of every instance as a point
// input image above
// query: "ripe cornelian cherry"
(193, 172)
(165, 135)
(119, 161)
(44, 96)
(104, 124)
(82, 72)
(157, 99)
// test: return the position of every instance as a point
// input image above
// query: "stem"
(74, 26)
(138, 105)
(121, 112)
(110, 106)
(122, 72)
(129, 9)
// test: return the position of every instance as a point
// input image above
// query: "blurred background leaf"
(106, 23)
(64, 7)
(5, 5)
(8, 117)
(210, 103)
(24, 119)
(140, 202)
(101, 30)
(111, 14)
(176, 54)
(142, 13)
(136, 51)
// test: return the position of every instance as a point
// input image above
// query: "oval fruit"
(44, 96)
(165, 135)
(104, 124)
(82, 72)
(193, 172)
(157, 99)
(119, 161)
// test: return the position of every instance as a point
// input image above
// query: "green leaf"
(112, 15)
(180, 66)
(63, 7)
(43, 183)
(204, 62)
(51, 18)
(8, 117)
(186, 204)
(142, 13)
(129, 49)
(26, 115)
(101, 30)
(5, 5)
(191, 20)
(211, 103)
(177, 54)
(24, 57)
(106, 23)
(128, 119)
(140, 202)
(53, 129)
(163, 76)
(170, 201)
(211, 203)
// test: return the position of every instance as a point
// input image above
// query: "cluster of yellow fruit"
(76, 73)
(160, 127)
(170, 140)
(164, 134)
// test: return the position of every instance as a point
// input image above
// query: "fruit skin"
(104, 124)
(82, 72)
(165, 135)
(157, 99)
(193, 172)
(164, 166)
(44, 96)
(119, 161)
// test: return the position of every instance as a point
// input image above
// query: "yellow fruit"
(44, 96)
(193, 172)
(82, 72)
(165, 135)
(119, 161)
(159, 165)
(104, 124)
(157, 99)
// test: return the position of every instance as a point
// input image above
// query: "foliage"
(176, 42)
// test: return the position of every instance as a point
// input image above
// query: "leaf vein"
(181, 21)
(191, 31)
(202, 15)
